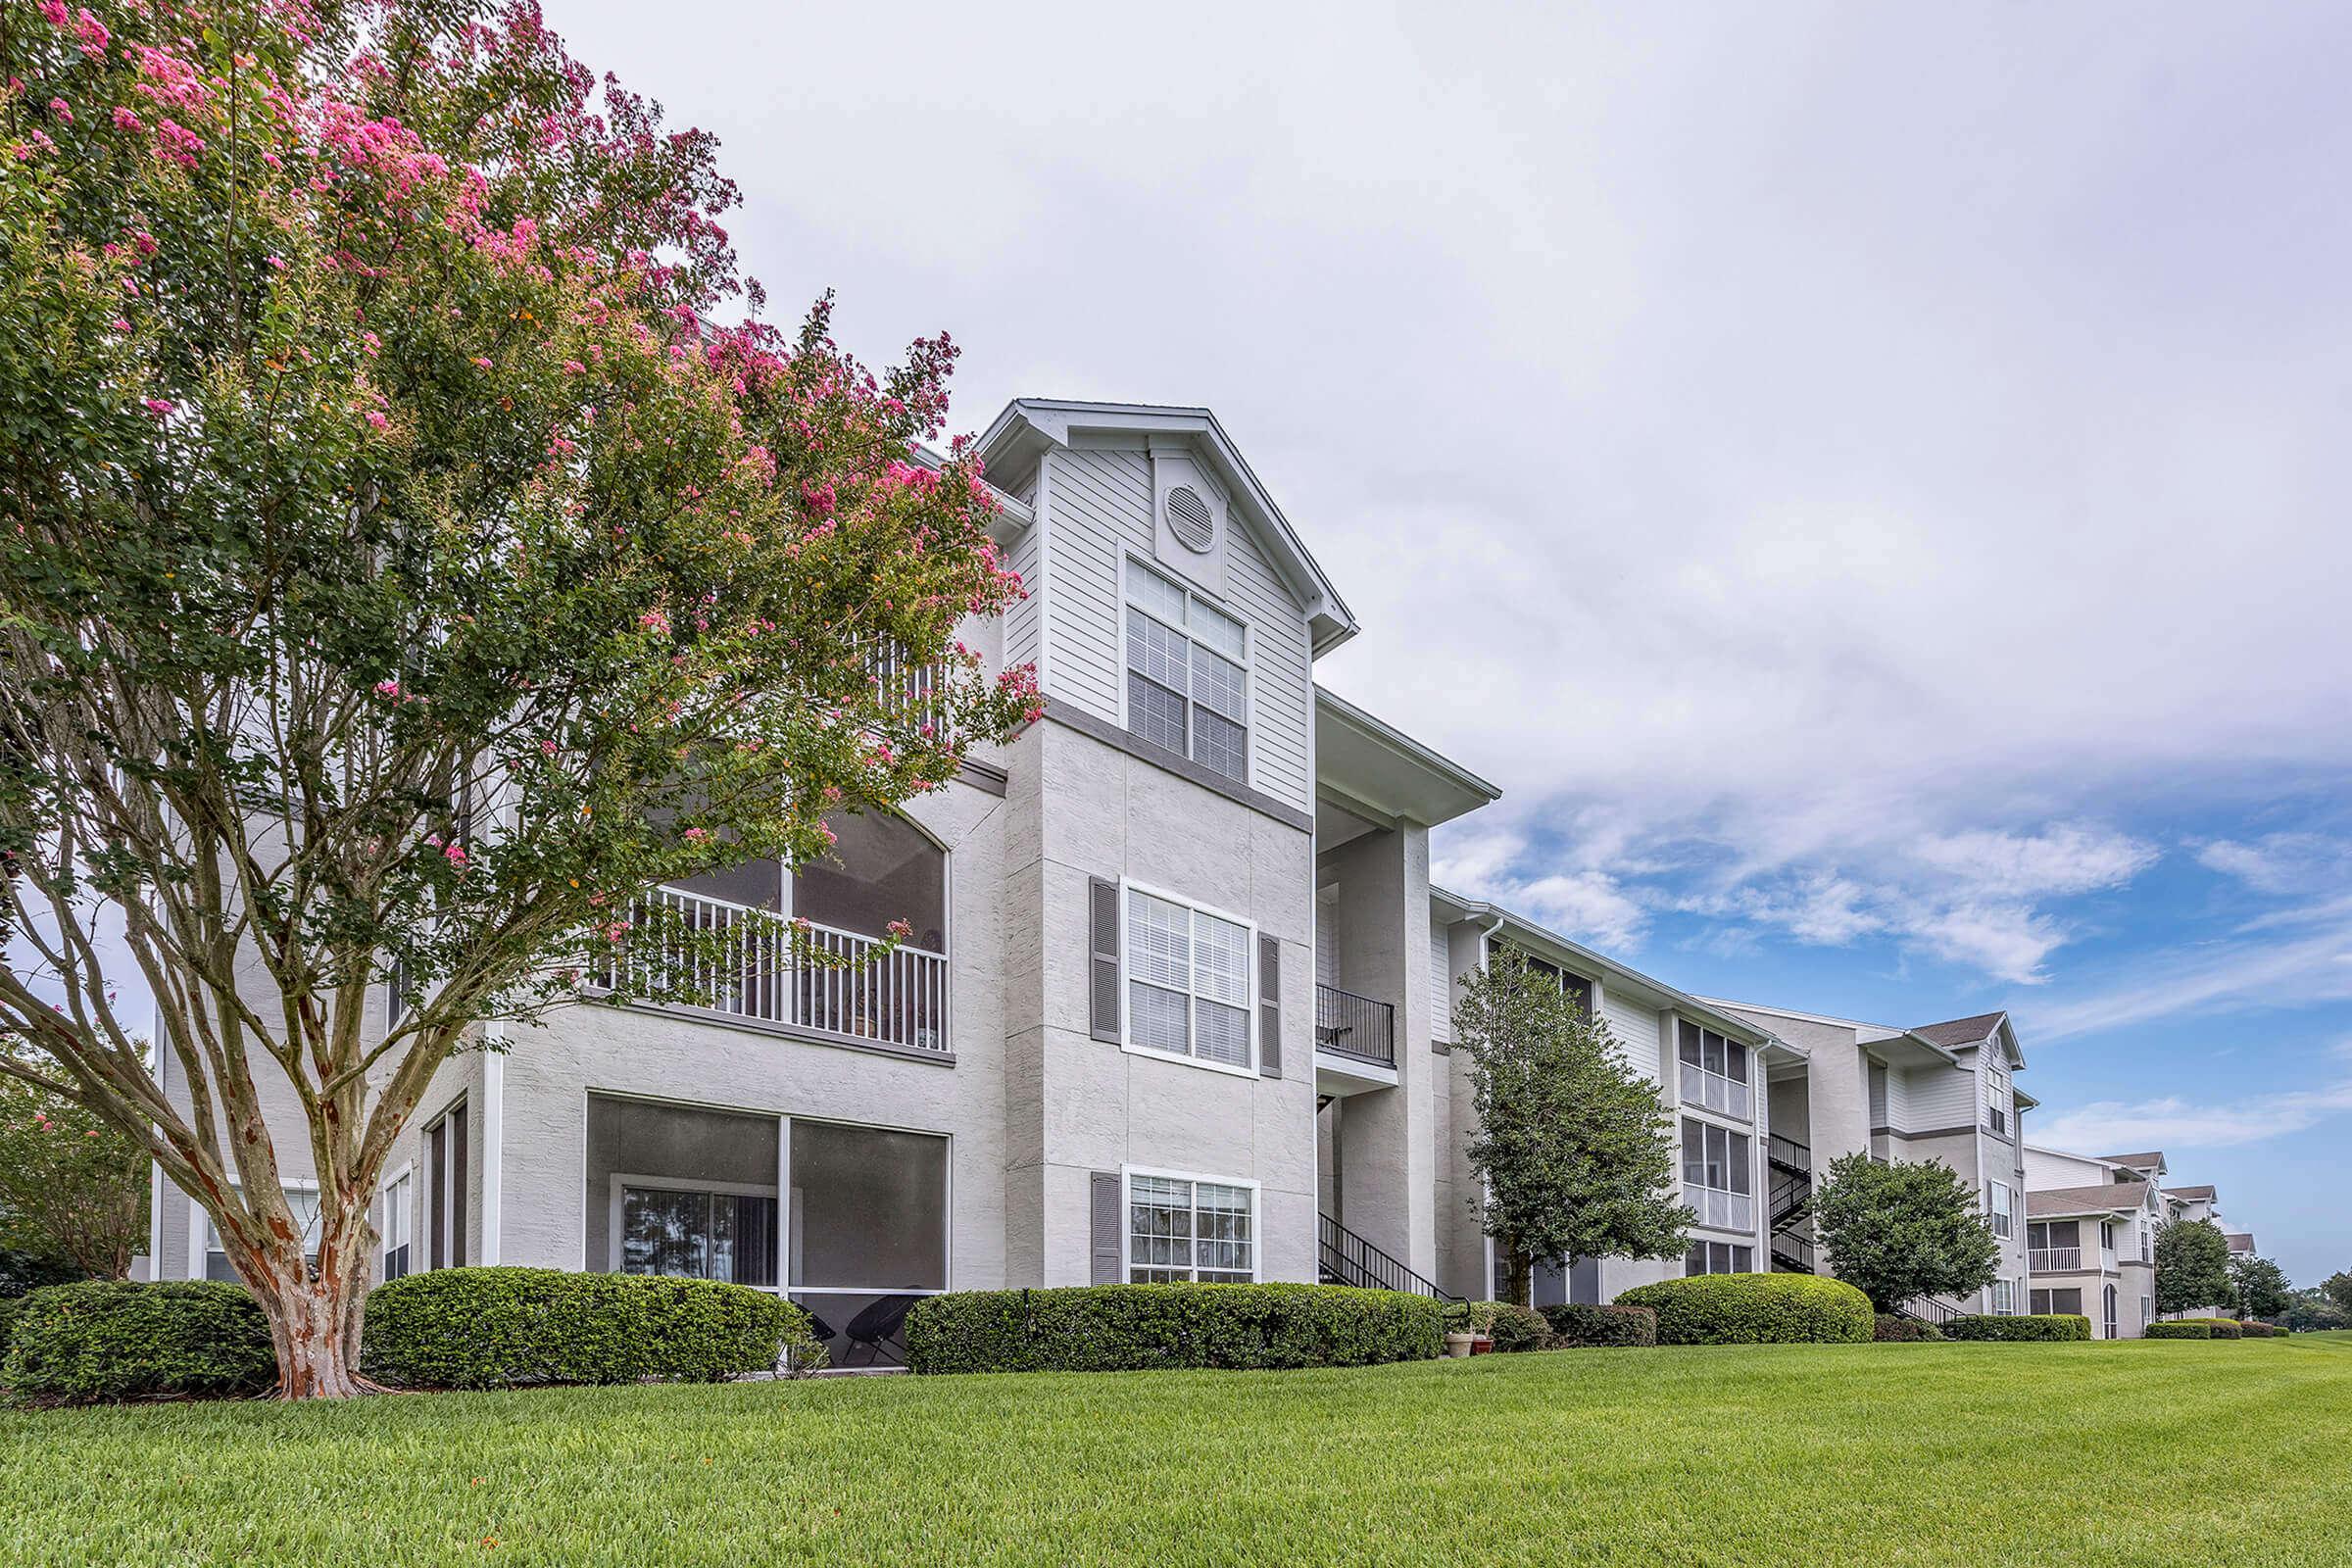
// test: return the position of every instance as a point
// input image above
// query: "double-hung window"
(1189, 986)
(1998, 1098)
(1719, 1258)
(1188, 674)
(2000, 1203)
(2004, 1299)
(1716, 1181)
(400, 1213)
(1182, 1229)
(1715, 1072)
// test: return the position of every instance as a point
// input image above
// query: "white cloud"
(1588, 904)
(2058, 861)
(2205, 979)
(2283, 862)
(2173, 1122)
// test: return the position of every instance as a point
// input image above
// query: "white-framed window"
(1715, 1072)
(1191, 979)
(212, 1262)
(399, 1219)
(1182, 1227)
(2000, 1099)
(2067, 1299)
(2004, 1299)
(1717, 1182)
(447, 1157)
(2147, 1310)
(2001, 1203)
(1188, 674)
(1719, 1258)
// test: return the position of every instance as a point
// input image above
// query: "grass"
(2104, 1453)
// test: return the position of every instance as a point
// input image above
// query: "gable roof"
(2188, 1192)
(2154, 1156)
(2109, 1198)
(1030, 425)
(1970, 1031)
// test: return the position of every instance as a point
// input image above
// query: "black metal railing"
(1349, 1025)
(1787, 1153)
(1791, 1255)
(1925, 1310)
(1791, 1193)
(1349, 1259)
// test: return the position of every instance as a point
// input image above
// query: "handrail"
(1789, 1154)
(2054, 1260)
(1352, 1261)
(1349, 1025)
(1926, 1309)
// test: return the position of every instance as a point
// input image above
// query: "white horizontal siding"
(1100, 502)
(1637, 1030)
(1942, 1096)
(1281, 673)
(1441, 982)
(1024, 620)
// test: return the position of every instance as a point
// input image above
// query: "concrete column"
(1388, 1170)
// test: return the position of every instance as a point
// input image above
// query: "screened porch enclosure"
(848, 1222)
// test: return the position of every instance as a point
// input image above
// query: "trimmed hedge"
(106, 1341)
(2017, 1327)
(2219, 1328)
(2178, 1331)
(503, 1328)
(2257, 1331)
(1513, 1328)
(1128, 1328)
(1576, 1327)
(1892, 1330)
(1755, 1309)
(10, 1307)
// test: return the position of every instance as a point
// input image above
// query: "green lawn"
(1866, 1455)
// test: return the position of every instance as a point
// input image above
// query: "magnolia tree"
(1571, 1151)
(398, 573)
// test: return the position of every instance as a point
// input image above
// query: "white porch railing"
(1724, 1211)
(2054, 1260)
(850, 989)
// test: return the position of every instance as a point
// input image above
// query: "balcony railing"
(1712, 1091)
(847, 988)
(1349, 1025)
(2054, 1260)
(1724, 1211)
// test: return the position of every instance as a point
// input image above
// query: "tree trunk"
(1518, 1286)
(315, 1326)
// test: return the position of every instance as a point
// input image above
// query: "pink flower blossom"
(126, 118)
(277, 264)
(481, 363)
(456, 856)
(122, 326)
(63, 110)
(696, 834)
(376, 418)
(159, 407)
(90, 34)
(388, 688)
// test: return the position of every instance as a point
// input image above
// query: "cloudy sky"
(1869, 485)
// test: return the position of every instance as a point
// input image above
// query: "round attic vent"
(1189, 520)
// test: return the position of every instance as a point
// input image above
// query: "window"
(1579, 989)
(2106, 1236)
(1190, 982)
(1716, 1181)
(2107, 1311)
(1715, 1072)
(445, 1190)
(2053, 1246)
(2004, 1299)
(1188, 683)
(400, 1213)
(1997, 1202)
(699, 1234)
(1998, 1103)
(2068, 1300)
(1719, 1258)
(2147, 1310)
(302, 1197)
(1182, 1229)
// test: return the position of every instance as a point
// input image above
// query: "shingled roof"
(1955, 1032)
(2102, 1199)
(2188, 1192)
(2154, 1156)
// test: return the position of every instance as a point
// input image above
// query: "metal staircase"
(1348, 1259)
(1789, 1191)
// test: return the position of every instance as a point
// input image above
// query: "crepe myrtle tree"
(73, 1189)
(1899, 1231)
(398, 573)
(1572, 1149)
(2192, 1266)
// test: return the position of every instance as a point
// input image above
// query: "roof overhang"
(1376, 771)
(1613, 975)
(1030, 426)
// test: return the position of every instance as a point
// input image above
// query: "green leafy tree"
(1896, 1232)
(2337, 1288)
(399, 573)
(2192, 1266)
(2311, 1308)
(2259, 1287)
(74, 1187)
(1572, 1145)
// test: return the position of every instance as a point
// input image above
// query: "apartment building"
(2090, 1239)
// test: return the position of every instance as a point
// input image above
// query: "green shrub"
(1755, 1310)
(502, 1328)
(1512, 1327)
(2221, 1328)
(2017, 1327)
(1573, 1326)
(2180, 1331)
(10, 1307)
(2257, 1331)
(1125, 1328)
(103, 1340)
(1890, 1329)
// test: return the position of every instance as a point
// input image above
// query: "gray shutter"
(1103, 920)
(1105, 1207)
(1269, 1008)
